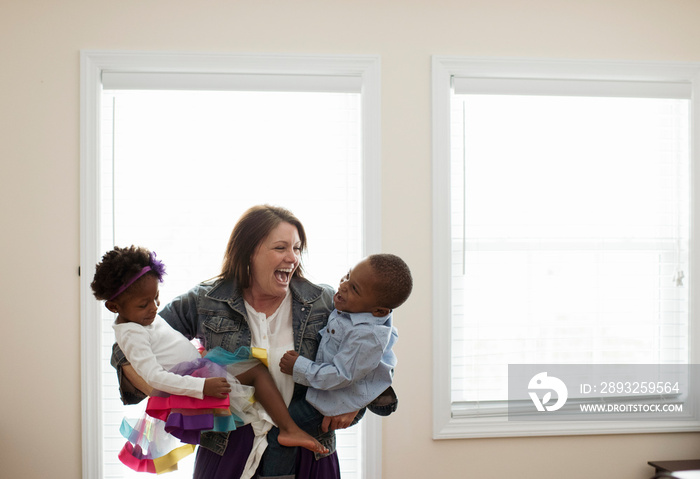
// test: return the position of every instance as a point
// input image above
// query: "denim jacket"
(214, 312)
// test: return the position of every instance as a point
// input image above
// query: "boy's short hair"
(394, 280)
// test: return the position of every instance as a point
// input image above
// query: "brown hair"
(250, 230)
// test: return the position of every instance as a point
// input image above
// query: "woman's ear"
(112, 306)
(380, 312)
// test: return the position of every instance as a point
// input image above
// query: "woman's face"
(274, 261)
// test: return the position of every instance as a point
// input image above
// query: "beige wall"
(40, 41)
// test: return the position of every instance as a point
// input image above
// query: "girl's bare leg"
(267, 394)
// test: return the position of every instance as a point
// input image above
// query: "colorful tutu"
(172, 425)
(149, 448)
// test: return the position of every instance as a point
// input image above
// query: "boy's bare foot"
(301, 439)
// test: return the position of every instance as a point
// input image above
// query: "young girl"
(127, 279)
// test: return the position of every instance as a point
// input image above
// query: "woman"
(261, 299)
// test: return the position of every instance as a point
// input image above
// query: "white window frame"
(355, 68)
(447, 423)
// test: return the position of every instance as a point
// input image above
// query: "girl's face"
(274, 261)
(139, 303)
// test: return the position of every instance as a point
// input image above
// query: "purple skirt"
(209, 465)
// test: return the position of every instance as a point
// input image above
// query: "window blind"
(570, 227)
(180, 167)
(572, 87)
(230, 82)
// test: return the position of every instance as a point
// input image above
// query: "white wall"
(40, 42)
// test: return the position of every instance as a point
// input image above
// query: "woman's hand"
(287, 362)
(216, 387)
(137, 381)
(341, 421)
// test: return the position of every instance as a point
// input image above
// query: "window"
(174, 144)
(562, 228)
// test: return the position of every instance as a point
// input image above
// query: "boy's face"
(139, 303)
(357, 292)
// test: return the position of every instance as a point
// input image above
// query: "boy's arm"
(359, 353)
(287, 362)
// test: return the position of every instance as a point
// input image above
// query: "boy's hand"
(287, 362)
(216, 387)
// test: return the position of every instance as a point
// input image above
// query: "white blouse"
(275, 334)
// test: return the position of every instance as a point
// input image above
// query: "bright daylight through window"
(570, 235)
(569, 231)
(179, 168)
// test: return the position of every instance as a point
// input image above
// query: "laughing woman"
(261, 300)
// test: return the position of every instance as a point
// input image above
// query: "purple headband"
(155, 265)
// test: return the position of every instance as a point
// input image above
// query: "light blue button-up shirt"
(354, 364)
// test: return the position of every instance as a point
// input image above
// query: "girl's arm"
(181, 313)
(135, 343)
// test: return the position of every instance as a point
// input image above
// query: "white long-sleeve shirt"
(152, 350)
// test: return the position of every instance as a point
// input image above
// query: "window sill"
(501, 426)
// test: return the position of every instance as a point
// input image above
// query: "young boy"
(355, 361)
